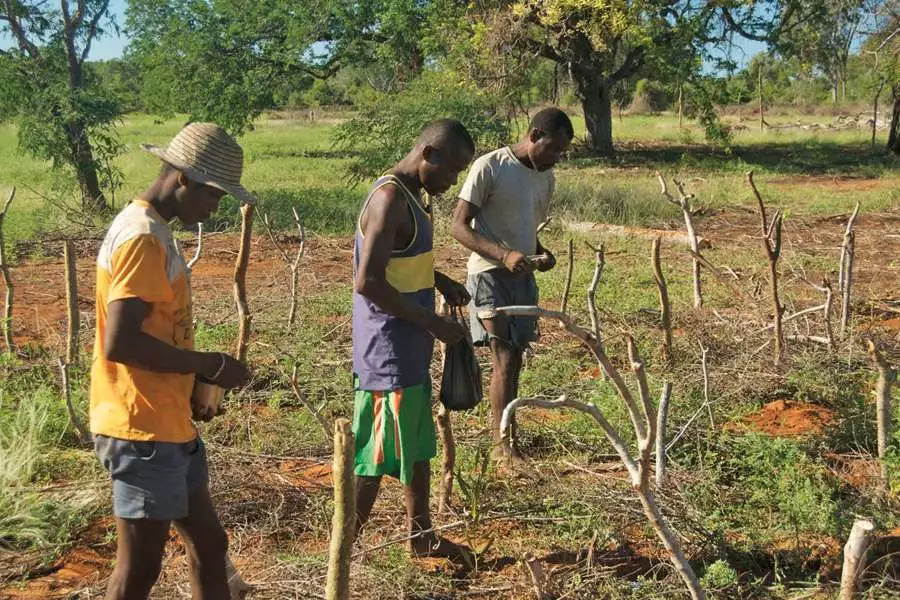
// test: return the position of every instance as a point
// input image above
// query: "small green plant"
(718, 577)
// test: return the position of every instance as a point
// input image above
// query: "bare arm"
(128, 344)
(465, 234)
(384, 214)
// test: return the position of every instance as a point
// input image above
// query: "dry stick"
(662, 416)
(849, 228)
(665, 309)
(848, 282)
(293, 266)
(684, 203)
(240, 282)
(84, 435)
(337, 586)
(599, 262)
(7, 279)
(644, 420)
(571, 269)
(887, 375)
(771, 234)
(704, 366)
(445, 431)
(829, 298)
(74, 323)
(295, 387)
(535, 570)
(854, 556)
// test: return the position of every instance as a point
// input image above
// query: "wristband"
(221, 367)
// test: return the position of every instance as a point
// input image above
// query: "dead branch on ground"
(74, 318)
(337, 585)
(684, 203)
(644, 421)
(855, 557)
(771, 238)
(887, 376)
(240, 282)
(7, 278)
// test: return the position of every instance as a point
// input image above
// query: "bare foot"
(433, 546)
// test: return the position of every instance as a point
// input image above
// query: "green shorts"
(393, 431)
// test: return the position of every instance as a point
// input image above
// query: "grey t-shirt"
(513, 200)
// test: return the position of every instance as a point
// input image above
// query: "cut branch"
(887, 375)
(644, 427)
(7, 278)
(845, 272)
(662, 416)
(240, 282)
(293, 266)
(599, 262)
(298, 393)
(847, 231)
(684, 203)
(568, 285)
(771, 237)
(84, 436)
(855, 556)
(704, 366)
(664, 306)
(73, 321)
(337, 586)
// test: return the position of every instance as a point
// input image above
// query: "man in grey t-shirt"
(505, 197)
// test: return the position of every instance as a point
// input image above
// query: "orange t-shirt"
(139, 259)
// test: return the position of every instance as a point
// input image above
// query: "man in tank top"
(394, 327)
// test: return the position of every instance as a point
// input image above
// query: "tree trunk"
(85, 167)
(893, 143)
(596, 102)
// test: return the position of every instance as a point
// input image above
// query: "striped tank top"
(388, 352)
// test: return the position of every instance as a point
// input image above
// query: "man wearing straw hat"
(145, 370)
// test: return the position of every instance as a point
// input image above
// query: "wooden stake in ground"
(240, 281)
(7, 279)
(84, 436)
(845, 275)
(684, 203)
(570, 270)
(445, 432)
(704, 367)
(643, 419)
(337, 586)
(662, 417)
(887, 375)
(771, 237)
(538, 578)
(74, 319)
(855, 557)
(599, 262)
(664, 306)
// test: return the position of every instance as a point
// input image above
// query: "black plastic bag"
(461, 381)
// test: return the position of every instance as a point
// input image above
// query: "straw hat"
(205, 153)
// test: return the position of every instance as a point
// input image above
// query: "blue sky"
(112, 46)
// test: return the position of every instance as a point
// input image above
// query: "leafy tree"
(383, 131)
(220, 60)
(65, 115)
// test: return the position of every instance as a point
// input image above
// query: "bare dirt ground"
(39, 318)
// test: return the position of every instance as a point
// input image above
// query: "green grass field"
(761, 509)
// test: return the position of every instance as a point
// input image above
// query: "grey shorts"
(493, 289)
(152, 480)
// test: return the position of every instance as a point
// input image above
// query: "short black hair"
(446, 132)
(551, 120)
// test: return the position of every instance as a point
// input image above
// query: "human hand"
(447, 331)
(516, 262)
(206, 401)
(453, 292)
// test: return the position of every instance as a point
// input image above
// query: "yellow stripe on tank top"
(411, 273)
